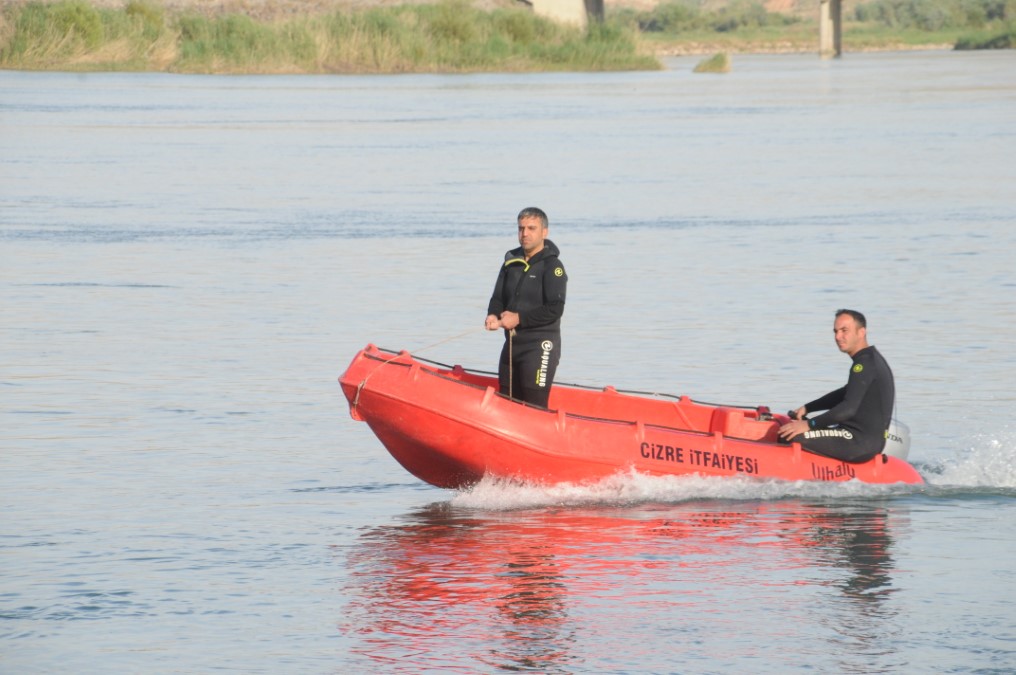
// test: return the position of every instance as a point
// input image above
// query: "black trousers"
(528, 374)
(838, 444)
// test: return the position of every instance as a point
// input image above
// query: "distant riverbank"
(445, 37)
(359, 36)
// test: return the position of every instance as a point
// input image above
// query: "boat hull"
(449, 427)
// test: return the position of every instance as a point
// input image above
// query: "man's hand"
(492, 322)
(509, 320)
(791, 429)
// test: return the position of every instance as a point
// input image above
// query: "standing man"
(857, 420)
(528, 302)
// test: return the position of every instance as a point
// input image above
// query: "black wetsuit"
(857, 416)
(536, 290)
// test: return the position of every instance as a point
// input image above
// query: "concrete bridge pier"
(581, 12)
(574, 12)
(830, 27)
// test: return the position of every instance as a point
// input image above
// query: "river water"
(187, 263)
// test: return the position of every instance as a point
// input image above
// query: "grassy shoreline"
(448, 36)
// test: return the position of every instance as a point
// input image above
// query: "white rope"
(449, 339)
(511, 374)
(356, 399)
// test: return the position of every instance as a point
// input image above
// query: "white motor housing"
(897, 441)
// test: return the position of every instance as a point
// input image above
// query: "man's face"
(531, 234)
(849, 336)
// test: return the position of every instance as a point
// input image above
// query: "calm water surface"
(187, 263)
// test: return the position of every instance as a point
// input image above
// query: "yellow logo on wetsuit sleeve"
(857, 368)
(558, 272)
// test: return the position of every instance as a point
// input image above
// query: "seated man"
(857, 419)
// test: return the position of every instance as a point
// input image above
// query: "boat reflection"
(520, 590)
(859, 542)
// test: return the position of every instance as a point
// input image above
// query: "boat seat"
(724, 420)
(740, 423)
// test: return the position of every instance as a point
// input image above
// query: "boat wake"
(987, 467)
(989, 462)
(631, 488)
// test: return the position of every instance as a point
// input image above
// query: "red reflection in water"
(450, 587)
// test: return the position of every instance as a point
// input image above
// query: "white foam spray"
(630, 488)
(988, 462)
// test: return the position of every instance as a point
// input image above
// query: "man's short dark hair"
(855, 315)
(533, 212)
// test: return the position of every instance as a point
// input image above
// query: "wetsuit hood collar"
(549, 250)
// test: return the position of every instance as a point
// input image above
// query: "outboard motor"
(897, 441)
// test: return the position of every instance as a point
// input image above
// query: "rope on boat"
(511, 374)
(359, 388)
(635, 392)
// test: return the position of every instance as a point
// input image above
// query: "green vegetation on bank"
(977, 24)
(454, 36)
(718, 63)
(1005, 39)
(447, 37)
(745, 25)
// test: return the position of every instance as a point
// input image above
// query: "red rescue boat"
(448, 426)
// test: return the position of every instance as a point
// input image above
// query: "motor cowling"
(897, 440)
